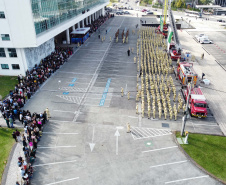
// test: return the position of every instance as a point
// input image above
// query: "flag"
(161, 24)
(170, 37)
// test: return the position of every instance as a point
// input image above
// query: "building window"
(15, 66)
(5, 66)
(5, 36)
(2, 52)
(2, 15)
(12, 52)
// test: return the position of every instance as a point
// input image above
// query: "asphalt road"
(80, 144)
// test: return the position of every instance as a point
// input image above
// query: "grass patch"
(209, 152)
(6, 143)
(7, 83)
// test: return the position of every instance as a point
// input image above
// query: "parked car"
(155, 9)
(205, 41)
(199, 36)
(126, 12)
(149, 13)
(119, 13)
(144, 10)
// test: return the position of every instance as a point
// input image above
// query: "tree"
(179, 4)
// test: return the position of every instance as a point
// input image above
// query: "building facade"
(28, 28)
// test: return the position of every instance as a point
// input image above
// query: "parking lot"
(218, 48)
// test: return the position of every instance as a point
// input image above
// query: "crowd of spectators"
(98, 22)
(11, 108)
(28, 85)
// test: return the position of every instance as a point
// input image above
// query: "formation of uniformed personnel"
(155, 69)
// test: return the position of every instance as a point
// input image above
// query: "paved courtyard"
(86, 142)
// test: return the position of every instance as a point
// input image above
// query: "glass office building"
(49, 13)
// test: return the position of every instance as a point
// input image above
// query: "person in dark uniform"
(128, 52)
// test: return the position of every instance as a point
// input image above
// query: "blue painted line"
(102, 101)
(74, 79)
(71, 85)
(109, 29)
(65, 93)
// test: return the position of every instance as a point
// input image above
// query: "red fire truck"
(186, 73)
(197, 102)
(174, 53)
(164, 31)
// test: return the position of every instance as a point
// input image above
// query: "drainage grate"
(165, 125)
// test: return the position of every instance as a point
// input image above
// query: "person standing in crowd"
(18, 135)
(14, 136)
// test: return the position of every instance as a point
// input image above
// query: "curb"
(6, 169)
(196, 164)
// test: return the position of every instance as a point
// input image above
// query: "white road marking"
(63, 181)
(59, 121)
(117, 135)
(91, 145)
(206, 125)
(57, 133)
(54, 163)
(168, 164)
(159, 149)
(187, 179)
(63, 111)
(56, 146)
(133, 117)
(142, 133)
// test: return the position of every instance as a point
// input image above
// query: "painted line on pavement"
(54, 163)
(206, 125)
(63, 181)
(168, 164)
(63, 111)
(187, 179)
(133, 117)
(59, 120)
(105, 92)
(74, 79)
(160, 149)
(57, 133)
(56, 146)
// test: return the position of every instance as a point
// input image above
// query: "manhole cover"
(165, 125)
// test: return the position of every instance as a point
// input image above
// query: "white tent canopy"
(81, 30)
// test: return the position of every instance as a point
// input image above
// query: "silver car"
(206, 41)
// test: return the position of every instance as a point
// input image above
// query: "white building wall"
(35, 55)
(17, 60)
(29, 47)
(19, 24)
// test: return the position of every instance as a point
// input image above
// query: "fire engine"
(174, 53)
(186, 73)
(164, 31)
(197, 102)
